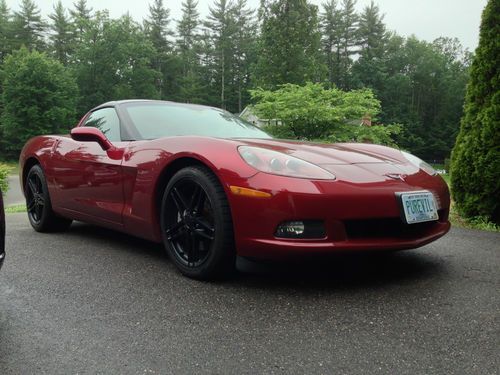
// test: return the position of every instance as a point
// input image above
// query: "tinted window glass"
(107, 121)
(156, 120)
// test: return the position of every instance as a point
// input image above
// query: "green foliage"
(62, 34)
(38, 98)
(475, 166)
(4, 173)
(114, 62)
(28, 27)
(377, 134)
(313, 112)
(216, 60)
(340, 40)
(289, 45)
(421, 85)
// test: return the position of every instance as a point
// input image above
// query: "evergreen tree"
(38, 97)
(244, 52)
(371, 32)
(62, 34)
(157, 30)
(80, 15)
(348, 41)
(370, 68)
(188, 44)
(157, 26)
(331, 22)
(28, 27)
(114, 62)
(475, 168)
(222, 27)
(290, 44)
(5, 30)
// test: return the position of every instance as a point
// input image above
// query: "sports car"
(212, 187)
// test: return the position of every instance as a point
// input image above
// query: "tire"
(196, 225)
(39, 206)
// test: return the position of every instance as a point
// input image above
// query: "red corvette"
(211, 186)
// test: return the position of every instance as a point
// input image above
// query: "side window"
(107, 121)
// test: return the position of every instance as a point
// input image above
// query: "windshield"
(160, 119)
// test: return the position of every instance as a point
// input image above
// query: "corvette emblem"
(396, 176)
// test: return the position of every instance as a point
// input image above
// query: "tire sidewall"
(221, 251)
(37, 170)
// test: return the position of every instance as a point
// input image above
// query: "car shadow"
(357, 270)
(120, 240)
(339, 271)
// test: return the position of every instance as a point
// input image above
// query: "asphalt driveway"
(14, 195)
(95, 301)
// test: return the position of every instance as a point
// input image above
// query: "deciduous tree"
(39, 97)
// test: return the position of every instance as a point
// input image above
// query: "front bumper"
(357, 216)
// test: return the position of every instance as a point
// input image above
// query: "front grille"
(386, 228)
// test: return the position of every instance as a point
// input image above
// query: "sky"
(427, 19)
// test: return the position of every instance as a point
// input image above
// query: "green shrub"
(4, 173)
(312, 112)
(475, 165)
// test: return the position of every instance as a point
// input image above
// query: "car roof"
(128, 101)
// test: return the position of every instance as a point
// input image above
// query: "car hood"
(332, 154)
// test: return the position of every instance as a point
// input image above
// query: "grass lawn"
(12, 165)
(15, 209)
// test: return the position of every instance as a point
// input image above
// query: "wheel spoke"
(198, 199)
(179, 200)
(31, 205)
(206, 230)
(41, 200)
(193, 251)
(189, 225)
(38, 211)
(176, 231)
(33, 187)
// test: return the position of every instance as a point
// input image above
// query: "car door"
(88, 180)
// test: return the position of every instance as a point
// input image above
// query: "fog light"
(290, 229)
(301, 229)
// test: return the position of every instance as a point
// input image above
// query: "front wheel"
(196, 225)
(38, 204)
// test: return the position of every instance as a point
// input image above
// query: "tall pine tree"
(221, 28)
(348, 41)
(157, 28)
(28, 28)
(62, 34)
(5, 30)
(244, 51)
(188, 48)
(331, 28)
(290, 44)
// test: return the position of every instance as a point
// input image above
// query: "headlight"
(281, 164)
(419, 163)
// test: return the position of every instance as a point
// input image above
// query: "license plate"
(418, 207)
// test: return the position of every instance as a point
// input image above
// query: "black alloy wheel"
(38, 203)
(196, 224)
(35, 200)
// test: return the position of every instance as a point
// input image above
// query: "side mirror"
(89, 134)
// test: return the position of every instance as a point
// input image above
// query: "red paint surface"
(89, 184)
